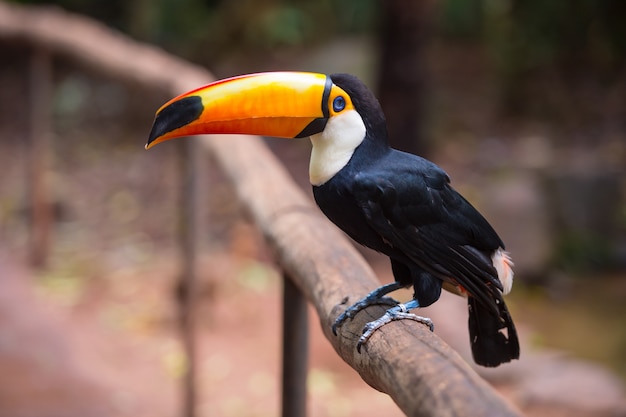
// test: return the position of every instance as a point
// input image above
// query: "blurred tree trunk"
(402, 83)
(40, 126)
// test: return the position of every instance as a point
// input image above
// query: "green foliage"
(532, 44)
(523, 35)
(530, 34)
(110, 11)
(576, 34)
(579, 252)
(462, 19)
(207, 29)
(279, 26)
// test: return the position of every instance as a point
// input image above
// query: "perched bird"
(396, 203)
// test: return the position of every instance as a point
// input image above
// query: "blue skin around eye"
(339, 104)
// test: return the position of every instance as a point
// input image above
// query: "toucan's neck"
(344, 141)
(334, 146)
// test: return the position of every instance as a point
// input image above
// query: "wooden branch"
(422, 374)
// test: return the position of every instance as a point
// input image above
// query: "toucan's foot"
(352, 311)
(375, 297)
(399, 312)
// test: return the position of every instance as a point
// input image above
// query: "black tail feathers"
(493, 339)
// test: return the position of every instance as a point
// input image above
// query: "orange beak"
(281, 104)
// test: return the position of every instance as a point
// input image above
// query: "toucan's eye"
(339, 103)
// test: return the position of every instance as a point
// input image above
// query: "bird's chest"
(337, 201)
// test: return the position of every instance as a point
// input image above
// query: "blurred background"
(523, 103)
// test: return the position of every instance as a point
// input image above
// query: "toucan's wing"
(414, 210)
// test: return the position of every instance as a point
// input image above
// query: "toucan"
(393, 202)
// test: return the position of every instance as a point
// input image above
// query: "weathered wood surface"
(423, 375)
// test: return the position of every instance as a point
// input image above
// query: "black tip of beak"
(178, 114)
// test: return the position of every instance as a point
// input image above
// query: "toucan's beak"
(282, 104)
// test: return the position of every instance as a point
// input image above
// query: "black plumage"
(403, 206)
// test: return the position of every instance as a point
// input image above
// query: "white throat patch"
(333, 147)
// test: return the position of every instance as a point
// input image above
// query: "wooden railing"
(422, 374)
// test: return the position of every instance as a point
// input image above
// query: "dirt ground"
(116, 351)
(95, 333)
